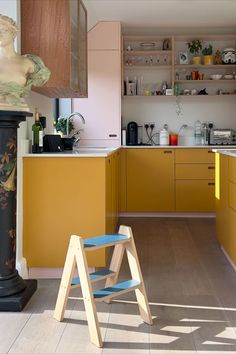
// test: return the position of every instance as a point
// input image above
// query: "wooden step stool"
(76, 256)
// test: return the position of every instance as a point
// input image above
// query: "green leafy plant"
(208, 50)
(195, 46)
(61, 126)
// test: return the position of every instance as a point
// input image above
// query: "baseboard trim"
(228, 258)
(48, 273)
(168, 215)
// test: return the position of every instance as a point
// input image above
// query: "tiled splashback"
(186, 110)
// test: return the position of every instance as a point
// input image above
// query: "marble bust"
(18, 73)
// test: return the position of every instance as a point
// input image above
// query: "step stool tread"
(114, 290)
(94, 276)
(104, 240)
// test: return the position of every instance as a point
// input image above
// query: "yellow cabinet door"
(150, 180)
(198, 155)
(195, 195)
(232, 169)
(62, 196)
(230, 247)
(122, 180)
(222, 199)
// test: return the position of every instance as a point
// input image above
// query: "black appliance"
(132, 133)
(52, 143)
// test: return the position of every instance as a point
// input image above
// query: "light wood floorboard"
(191, 288)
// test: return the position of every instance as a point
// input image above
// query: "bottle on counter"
(164, 135)
(37, 135)
(198, 133)
(205, 133)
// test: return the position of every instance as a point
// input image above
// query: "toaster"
(222, 137)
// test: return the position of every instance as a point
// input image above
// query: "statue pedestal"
(14, 291)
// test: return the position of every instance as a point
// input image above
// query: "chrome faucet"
(71, 116)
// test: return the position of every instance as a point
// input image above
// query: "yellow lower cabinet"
(150, 180)
(195, 171)
(230, 247)
(195, 195)
(122, 180)
(62, 197)
(197, 155)
(222, 199)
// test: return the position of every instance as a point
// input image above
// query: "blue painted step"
(96, 276)
(116, 289)
(104, 241)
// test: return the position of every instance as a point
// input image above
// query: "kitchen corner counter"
(215, 147)
(229, 152)
(82, 152)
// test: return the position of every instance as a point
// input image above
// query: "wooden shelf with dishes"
(151, 61)
(147, 61)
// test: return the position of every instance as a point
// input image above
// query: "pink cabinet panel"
(105, 35)
(102, 108)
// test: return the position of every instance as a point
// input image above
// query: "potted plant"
(195, 47)
(208, 55)
(64, 126)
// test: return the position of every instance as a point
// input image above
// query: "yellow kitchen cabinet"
(230, 247)
(195, 171)
(65, 196)
(150, 180)
(122, 180)
(222, 199)
(197, 155)
(195, 184)
(112, 176)
(195, 196)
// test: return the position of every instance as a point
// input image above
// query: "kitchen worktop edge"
(112, 150)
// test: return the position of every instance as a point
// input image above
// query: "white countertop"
(228, 152)
(106, 151)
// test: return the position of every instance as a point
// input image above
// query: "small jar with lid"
(164, 136)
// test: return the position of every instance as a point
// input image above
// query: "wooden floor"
(191, 288)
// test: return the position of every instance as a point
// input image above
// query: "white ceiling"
(168, 14)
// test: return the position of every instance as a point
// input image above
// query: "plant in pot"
(65, 126)
(208, 55)
(195, 46)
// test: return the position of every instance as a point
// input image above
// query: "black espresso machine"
(132, 134)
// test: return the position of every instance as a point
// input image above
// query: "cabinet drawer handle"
(167, 152)
(211, 167)
(112, 135)
(210, 152)
(211, 183)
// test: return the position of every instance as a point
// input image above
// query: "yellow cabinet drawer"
(195, 171)
(232, 169)
(194, 156)
(232, 195)
(195, 195)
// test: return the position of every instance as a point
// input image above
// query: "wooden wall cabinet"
(56, 31)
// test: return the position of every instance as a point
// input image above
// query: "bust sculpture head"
(18, 73)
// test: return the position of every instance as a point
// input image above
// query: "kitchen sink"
(91, 150)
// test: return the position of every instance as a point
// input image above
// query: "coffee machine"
(132, 133)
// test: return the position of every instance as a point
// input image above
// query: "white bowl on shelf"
(228, 76)
(216, 76)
